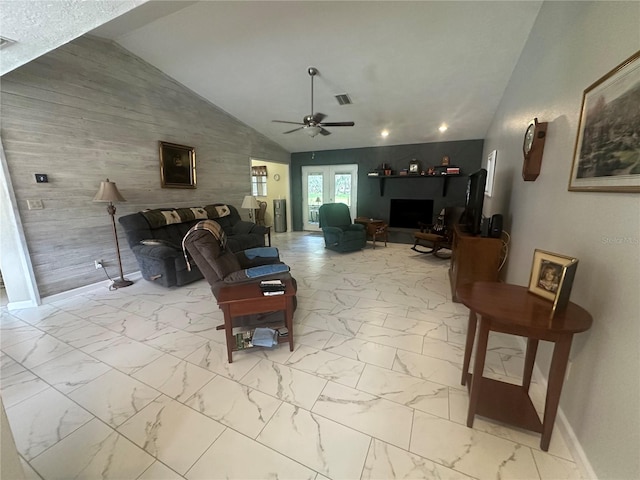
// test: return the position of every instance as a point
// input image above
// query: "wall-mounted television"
(471, 219)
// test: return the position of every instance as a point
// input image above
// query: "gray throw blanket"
(210, 226)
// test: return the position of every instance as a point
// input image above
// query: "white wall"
(572, 45)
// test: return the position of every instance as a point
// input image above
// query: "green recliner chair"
(340, 233)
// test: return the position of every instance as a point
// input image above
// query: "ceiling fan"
(313, 124)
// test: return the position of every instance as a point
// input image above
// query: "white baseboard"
(84, 289)
(563, 424)
(21, 305)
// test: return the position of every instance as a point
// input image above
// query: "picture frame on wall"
(552, 277)
(177, 166)
(607, 148)
(491, 171)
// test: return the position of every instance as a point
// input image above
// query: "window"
(259, 181)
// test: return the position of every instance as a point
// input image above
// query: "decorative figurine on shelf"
(431, 171)
(445, 160)
(385, 169)
(414, 167)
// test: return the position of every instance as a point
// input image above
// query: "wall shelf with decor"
(445, 180)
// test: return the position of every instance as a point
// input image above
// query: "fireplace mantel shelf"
(445, 178)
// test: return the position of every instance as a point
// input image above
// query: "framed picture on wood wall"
(491, 173)
(552, 277)
(177, 166)
(607, 151)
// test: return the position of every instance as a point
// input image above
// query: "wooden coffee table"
(513, 310)
(247, 299)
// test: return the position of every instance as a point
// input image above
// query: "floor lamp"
(251, 203)
(108, 192)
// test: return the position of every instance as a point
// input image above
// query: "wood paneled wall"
(88, 111)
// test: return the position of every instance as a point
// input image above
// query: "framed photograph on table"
(177, 166)
(607, 153)
(552, 277)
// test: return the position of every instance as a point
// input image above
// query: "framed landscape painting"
(177, 166)
(607, 150)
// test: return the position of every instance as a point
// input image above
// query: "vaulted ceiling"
(408, 67)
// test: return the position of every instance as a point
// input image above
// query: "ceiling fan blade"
(294, 130)
(324, 132)
(338, 124)
(284, 121)
(318, 117)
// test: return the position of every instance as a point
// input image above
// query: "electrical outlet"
(35, 204)
(98, 264)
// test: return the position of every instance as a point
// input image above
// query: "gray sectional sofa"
(155, 237)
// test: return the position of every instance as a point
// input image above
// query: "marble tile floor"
(134, 383)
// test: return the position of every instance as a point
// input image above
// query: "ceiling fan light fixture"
(314, 124)
(312, 130)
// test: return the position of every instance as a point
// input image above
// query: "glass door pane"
(342, 188)
(315, 195)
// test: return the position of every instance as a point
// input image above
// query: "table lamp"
(251, 204)
(108, 192)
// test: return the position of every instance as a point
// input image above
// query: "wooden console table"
(512, 309)
(473, 259)
(247, 299)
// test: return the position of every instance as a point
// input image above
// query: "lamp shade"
(250, 202)
(108, 192)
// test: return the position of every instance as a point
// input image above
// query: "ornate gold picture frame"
(177, 166)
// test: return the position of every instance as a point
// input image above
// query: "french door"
(327, 184)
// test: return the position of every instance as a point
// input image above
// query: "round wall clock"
(533, 148)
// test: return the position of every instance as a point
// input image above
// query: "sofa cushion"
(159, 241)
(226, 264)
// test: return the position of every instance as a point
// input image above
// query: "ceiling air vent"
(5, 42)
(343, 99)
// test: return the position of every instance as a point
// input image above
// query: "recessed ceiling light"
(384, 133)
(443, 128)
